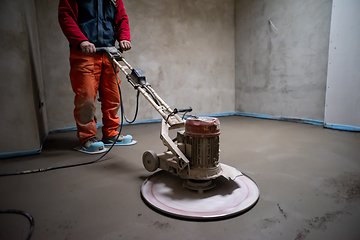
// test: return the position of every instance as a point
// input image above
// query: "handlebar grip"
(100, 49)
(109, 49)
(189, 109)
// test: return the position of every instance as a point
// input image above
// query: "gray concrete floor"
(308, 176)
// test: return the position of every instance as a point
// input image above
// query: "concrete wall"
(55, 66)
(22, 119)
(281, 69)
(185, 48)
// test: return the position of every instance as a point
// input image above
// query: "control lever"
(112, 50)
(189, 109)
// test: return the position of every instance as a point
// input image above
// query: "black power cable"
(25, 214)
(151, 94)
(136, 109)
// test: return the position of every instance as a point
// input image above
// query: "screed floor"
(308, 176)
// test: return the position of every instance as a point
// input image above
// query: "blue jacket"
(96, 19)
(101, 22)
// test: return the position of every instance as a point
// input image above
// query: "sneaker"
(112, 139)
(88, 143)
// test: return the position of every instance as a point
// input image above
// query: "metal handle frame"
(170, 119)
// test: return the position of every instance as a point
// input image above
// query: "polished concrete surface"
(308, 176)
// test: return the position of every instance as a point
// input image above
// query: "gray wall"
(22, 120)
(185, 48)
(55, 66)
(281, 70)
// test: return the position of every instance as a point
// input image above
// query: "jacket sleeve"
(122, 29)
(67, 16)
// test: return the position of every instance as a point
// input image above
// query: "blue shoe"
(122, 140)
(113, 139)
(90, 142)
(92, 146)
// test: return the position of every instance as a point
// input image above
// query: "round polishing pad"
(166, 193)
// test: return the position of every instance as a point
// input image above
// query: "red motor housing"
(201, 139)
(202, 127)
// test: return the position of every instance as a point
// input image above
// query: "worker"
(87, 25)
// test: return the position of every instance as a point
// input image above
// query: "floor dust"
(269, 222)
(302, 234)
(161, 226)
(345, 187)
(318, 223)
(282, 211)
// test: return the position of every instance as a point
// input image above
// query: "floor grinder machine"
(193, 184)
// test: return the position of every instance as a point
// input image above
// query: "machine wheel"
(150, 161)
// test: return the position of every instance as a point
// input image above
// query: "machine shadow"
(179, 192)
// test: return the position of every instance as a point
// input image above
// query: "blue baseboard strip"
(279, 118)
(302, 120)
(220, 114)
(24, 153)
(144, 121)
(19, 153)
(207, 115)
(342, 127)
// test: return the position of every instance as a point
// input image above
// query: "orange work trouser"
(90, 74)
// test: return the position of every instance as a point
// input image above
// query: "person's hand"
(87, 47)
(125, 45)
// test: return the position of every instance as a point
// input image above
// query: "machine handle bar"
(112, 50)
(189, 109)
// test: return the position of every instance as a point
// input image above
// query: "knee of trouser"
(85, 110)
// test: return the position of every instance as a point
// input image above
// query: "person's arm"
(67, 16)
(122, 28)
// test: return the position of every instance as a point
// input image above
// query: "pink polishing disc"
(165, 192)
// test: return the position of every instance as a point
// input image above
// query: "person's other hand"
(87, 47)
(125, 45)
